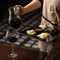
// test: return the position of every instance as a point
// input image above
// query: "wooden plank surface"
(23, 54)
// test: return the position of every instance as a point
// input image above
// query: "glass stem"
(12, 49)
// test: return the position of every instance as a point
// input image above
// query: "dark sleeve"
(41, 0)
(41, 4)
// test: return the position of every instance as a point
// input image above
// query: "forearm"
(31, 6)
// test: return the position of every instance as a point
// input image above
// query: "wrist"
(22, 11)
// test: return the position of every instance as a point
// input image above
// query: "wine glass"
(12, 39)
(14, 24)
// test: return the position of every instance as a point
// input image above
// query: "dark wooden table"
(23, 54)
(27, 54)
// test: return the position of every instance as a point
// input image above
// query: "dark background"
(5, 4)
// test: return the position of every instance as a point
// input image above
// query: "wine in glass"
(15, 23)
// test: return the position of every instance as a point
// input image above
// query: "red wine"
(15, 23)
(12, 39)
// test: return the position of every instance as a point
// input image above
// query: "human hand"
(18, 10)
